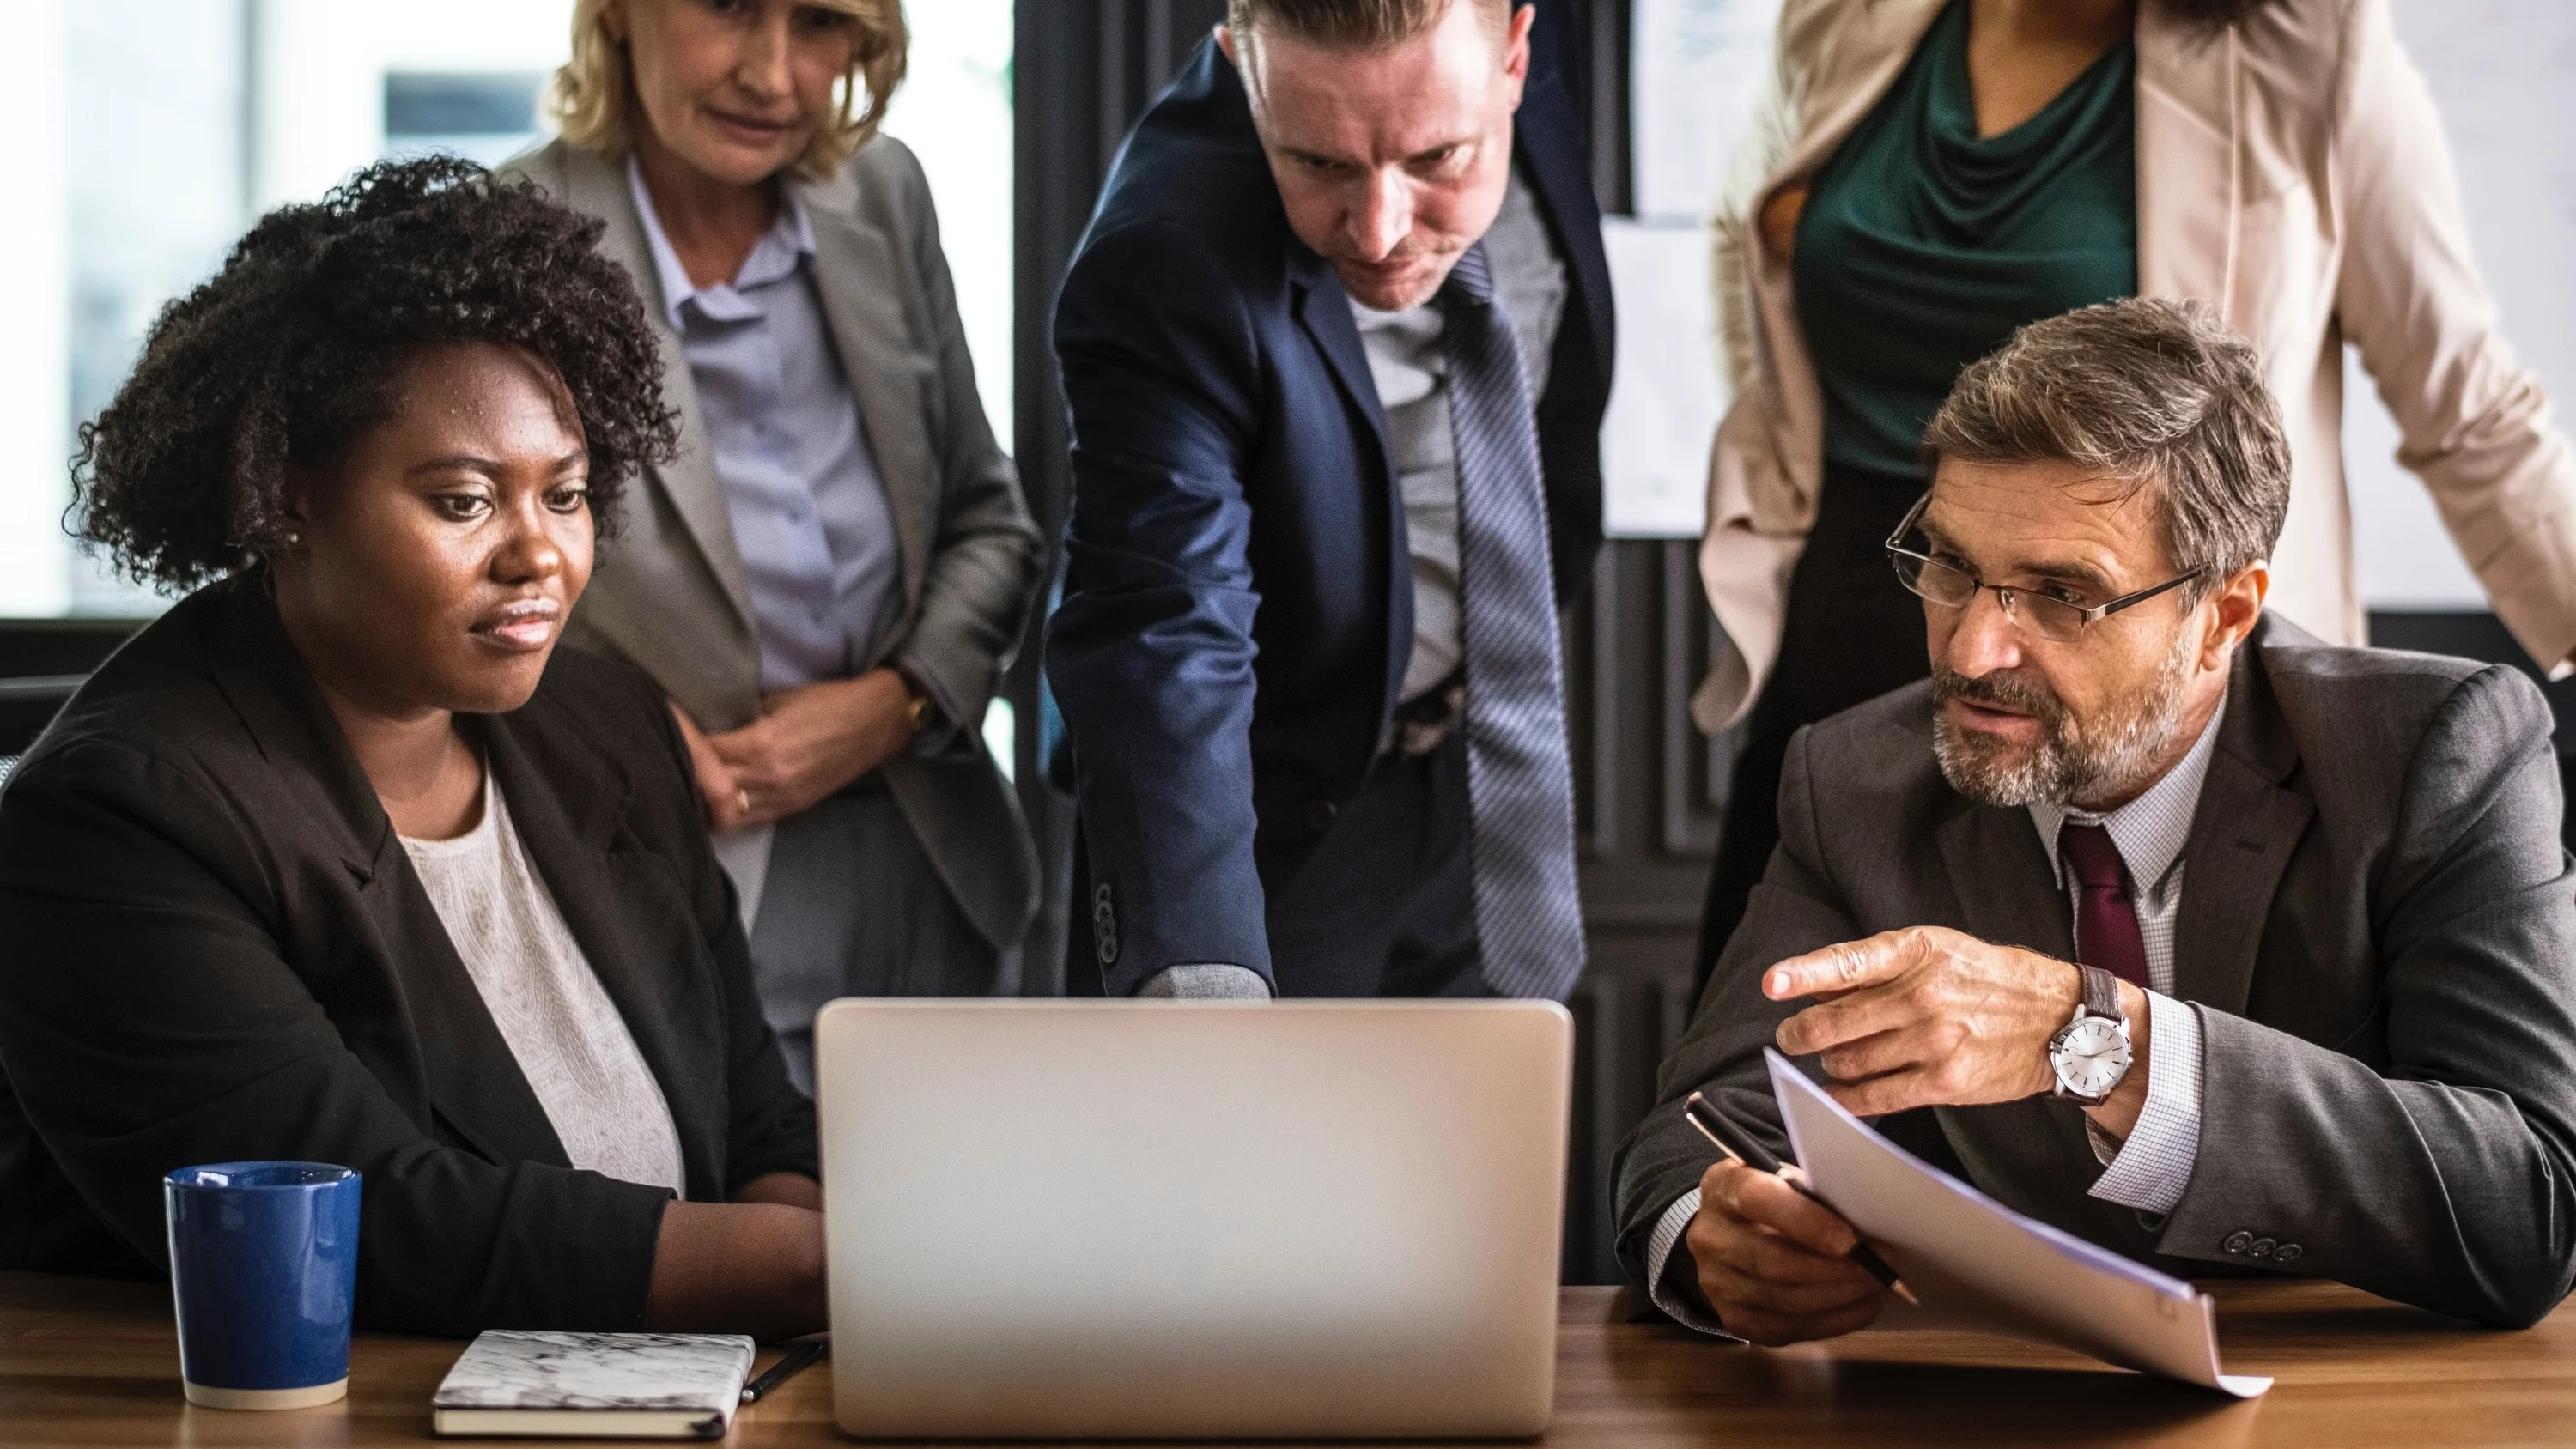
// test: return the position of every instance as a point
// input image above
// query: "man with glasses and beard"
(2148, 914)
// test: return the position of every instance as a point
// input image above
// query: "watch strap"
(2100, 992)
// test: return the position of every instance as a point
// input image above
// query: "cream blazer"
(2292, 174)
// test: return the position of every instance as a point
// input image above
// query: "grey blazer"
(668, 591)
(2378, 931)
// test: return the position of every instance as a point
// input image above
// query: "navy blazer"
(1238, 605)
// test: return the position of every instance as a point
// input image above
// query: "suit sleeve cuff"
(1683, 1308)
(1206, 981)
(2151, 1169)
(939, 728)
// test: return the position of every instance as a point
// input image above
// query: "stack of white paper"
(1979, 1265)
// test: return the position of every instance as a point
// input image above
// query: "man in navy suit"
(1336, 345)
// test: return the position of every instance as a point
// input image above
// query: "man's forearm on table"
(1667, 1257)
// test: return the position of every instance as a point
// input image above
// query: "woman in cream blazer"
(2290, 172)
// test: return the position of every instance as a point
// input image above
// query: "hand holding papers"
(1743, 1148)
(1987, 1268)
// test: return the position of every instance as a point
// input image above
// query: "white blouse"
(568, 1037)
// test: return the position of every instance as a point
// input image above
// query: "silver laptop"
(1171, 1219)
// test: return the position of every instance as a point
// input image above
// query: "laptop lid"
(1169, 1219)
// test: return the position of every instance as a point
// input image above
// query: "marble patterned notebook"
(616, 1385)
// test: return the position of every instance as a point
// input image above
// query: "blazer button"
(1320, 813)
(2261, 1248)
(2236, 1242)
(2287, 1253)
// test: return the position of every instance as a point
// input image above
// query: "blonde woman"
(830, 579)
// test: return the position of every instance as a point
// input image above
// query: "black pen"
(788, 1366)
(1742, 1147)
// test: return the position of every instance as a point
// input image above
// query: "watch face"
(2091, 1056)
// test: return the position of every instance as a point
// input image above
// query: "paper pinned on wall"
(1667, 391)
(1698, 66)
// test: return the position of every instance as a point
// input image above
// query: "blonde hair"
(593, 96)
(1353, 24)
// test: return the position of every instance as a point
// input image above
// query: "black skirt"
(1850, 634)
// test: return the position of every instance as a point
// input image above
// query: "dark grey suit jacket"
(2378, 931)
(669, 593)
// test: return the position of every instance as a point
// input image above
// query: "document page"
(1979, 1265)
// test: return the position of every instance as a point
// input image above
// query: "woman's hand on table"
(754, 1265)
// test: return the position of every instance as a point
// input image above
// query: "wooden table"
(90, 1363)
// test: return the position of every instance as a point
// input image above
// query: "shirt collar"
(789, 240)
(2151, 830)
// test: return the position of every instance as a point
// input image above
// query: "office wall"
(147, 134)
(34, 255)
(2500, 72)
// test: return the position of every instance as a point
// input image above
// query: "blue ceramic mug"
(264, 1268)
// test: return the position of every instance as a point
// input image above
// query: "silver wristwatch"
(2090, 1054)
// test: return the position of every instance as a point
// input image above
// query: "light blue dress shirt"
(809, 509)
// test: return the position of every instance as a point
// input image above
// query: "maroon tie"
(2106, 924)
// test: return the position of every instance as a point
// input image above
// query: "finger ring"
(742, 799)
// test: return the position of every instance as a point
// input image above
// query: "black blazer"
(218, 950)
(1237, 600)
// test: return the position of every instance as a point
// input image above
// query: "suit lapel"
(2032, 1154)
(861, 280)
(568, 809)
(475, 1082)
(598, 187)
(1868, 47)
(266, 682)
(2187, 117)
(1999, 872)
(1324, 313)
(2242, 837)
(2187, 124)
(1546, 139)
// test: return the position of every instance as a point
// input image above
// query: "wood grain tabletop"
(84, 1362)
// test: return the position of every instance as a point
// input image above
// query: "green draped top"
(1922, 246)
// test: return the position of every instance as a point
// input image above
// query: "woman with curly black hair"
(341, 860)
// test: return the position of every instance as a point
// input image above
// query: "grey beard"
(2065, 767)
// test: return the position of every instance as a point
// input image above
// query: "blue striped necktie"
(1529, 923)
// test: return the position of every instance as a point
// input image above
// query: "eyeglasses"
(2042, 614)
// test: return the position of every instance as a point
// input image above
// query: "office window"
(147, 134)
(489, 116)
(155, 179)
(954, 111)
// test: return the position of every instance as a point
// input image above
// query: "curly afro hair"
(296, 349)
